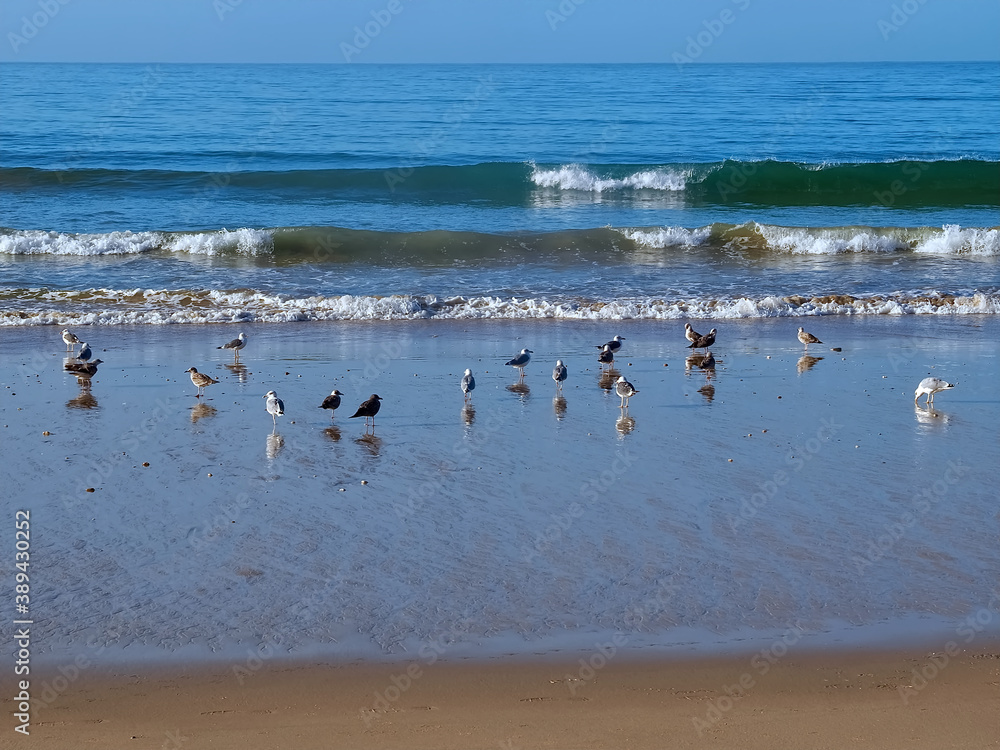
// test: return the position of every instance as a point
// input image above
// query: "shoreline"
(878, 699)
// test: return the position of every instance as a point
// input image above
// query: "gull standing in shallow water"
(930, 386)
(606, 357)
(69, 339)
(626, 390)
(369, 409)
(521, 360)
(274, 405)
(690, 334)
(807, 338)
(468, 383)
(332, 402)
(559, 373)
(703, 342)
(236, 344)
(85, 353)
(201, 381)
(615, 344)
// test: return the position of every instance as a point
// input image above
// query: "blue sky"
(455, 31)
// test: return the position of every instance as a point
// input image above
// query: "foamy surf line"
(164, 307)
(341, 244)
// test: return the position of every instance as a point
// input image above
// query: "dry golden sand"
(829, 700)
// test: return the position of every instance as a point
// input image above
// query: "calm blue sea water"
(485, 191)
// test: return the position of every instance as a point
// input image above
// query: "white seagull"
(468, 383)
(85, 353)
(274, 405)
(626, 390)
(69, 339)
(521, 360)
(690, 334)
(559, 373)
(930, 386)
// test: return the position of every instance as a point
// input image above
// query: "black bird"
(84, 369)
(332, 402)
(703, 342)
(368, 409)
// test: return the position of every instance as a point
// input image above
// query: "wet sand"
(726, 508)
(857, 699)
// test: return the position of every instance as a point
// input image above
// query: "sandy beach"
(771, 502)
(855, 699)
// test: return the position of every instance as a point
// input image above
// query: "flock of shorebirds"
(85, 368)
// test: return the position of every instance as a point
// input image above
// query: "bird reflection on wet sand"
(333, 433)
(238, 369)
(521, 389)
(559, 405)
(708, 391)
(85, 400)
(806, 362)
(468, 414)
(371, 443)
(931, 417)
(607, 379)
(625, 424)
(202, 410)
(705, 362)
(274, 445)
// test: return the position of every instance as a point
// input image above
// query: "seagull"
(930, 386)
(521, 360)
(274, 405)
(85, 353)
(690, 334)
(84, 369)
(236, 344)
(606, 357)
(201, 381)
(332, 402)
(468, 383)
(69, 339)
(626, 390)
(615, 344)
(708, 363)
(703, 342)
(369, 409)
(559, 373)
(807, 338)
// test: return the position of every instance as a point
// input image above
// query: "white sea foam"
(831, 241)
(39, 242)
(953, 239)
(668, 236)
(159, 307)
(576, 177)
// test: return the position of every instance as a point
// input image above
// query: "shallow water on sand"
(523, 523)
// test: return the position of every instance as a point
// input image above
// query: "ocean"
(272, 193)
(379, 229)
